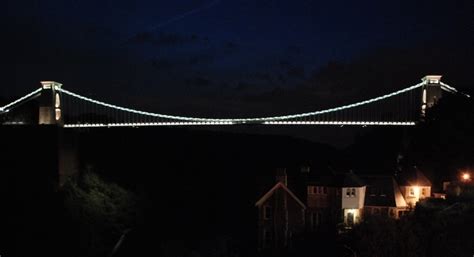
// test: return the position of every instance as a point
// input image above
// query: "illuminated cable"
(243, 120)
(5, 108)
(451, 89)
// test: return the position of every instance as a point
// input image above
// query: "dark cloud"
(162, 64)
(243, 86)
(284, 63)
(296, 72)
(281, 78)
(200, 59)
(163, 39)
(294, 50)
(263, 76)
(97, 31)
(199, 82)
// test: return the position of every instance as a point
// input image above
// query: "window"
(350, 192)
(267, 237)
(392, 212)
(312, 190)
(57, 114)
(316, 220)
(267, 212)
(57, 101)
(411, 192)
(321, 190)
(423, 191)
(376, 211)
(381, 192)
(317, 190)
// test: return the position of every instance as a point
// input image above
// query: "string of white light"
(146, 124)
(242, 120)
(451, 89)
(5, 108)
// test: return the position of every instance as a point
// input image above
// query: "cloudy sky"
(234, 57)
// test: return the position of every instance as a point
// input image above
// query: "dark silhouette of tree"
(101, 211)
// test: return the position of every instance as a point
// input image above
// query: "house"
(383, 197)
(414, 186)
(353, 198)
(281, 215)
(462, 186)
(333, 199)
(323, 201)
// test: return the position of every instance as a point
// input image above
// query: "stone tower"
(50, 112)
(431, 92)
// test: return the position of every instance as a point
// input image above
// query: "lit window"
(58, 114)
(267, 212)
(392, 213)
(57, 101)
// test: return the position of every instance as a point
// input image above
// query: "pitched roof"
(265, 197)
(338, 180)
(383, 191)
(412, 177)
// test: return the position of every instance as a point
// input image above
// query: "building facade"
(338, 200)
(281, 215)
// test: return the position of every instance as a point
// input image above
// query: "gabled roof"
(352, 180)
(383, 191)
(338, 180)
(413, 177)
(278, 185)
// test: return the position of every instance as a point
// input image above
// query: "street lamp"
(466, 177)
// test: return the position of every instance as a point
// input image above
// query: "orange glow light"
(466, 176)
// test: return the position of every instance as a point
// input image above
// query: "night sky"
(222, 58)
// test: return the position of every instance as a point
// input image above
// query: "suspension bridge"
(65, 108)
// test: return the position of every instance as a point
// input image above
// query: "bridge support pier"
(66, 142)
(431, 92)
(50, 112)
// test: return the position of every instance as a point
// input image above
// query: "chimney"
(281, 176)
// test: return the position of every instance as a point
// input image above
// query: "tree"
(101, 211)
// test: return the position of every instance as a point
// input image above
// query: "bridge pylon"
(50, 112)
(431, 92)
